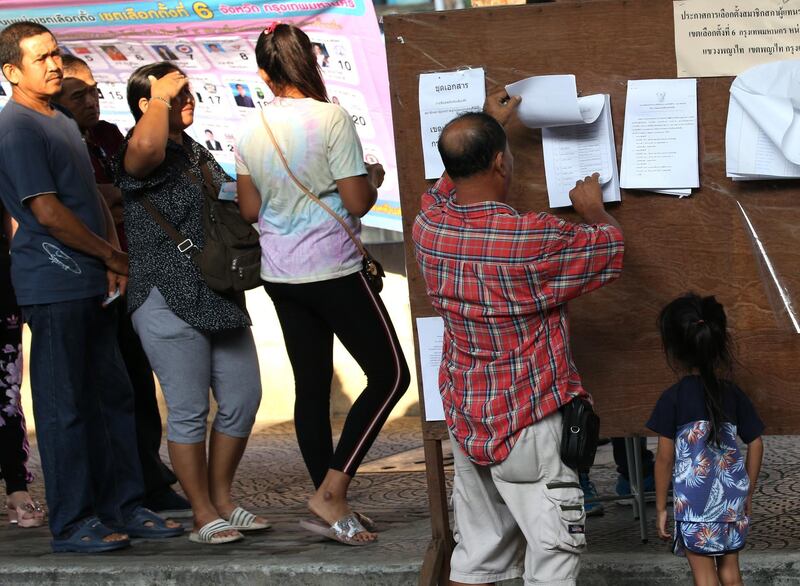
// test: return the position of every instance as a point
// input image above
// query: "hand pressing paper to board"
(577, 134)
(762, 138)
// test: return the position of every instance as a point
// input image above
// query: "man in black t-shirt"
(64, 258)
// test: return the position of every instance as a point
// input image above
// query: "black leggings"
(310, 314)
(13, 438)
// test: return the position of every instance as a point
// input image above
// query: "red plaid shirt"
(501, 280)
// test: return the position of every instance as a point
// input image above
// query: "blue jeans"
(83, 407)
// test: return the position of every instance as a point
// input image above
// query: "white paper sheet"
(762, 138)
(573, 152)
(552, 100)
(659, 149)
(430, 332)
(442, 97)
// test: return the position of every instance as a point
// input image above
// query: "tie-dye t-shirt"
(710, 483)
(300, 241)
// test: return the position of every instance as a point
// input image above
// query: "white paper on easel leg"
(430, 334)
(574, 152)
(442, 97)
(552, 100)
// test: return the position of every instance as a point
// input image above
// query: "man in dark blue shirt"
(64, 258)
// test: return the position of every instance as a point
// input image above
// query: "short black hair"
(139, 84)
(70, 63)
(476, 139)
(12, 35)
(208, 130)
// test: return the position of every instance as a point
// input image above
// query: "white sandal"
(243, 520)
(210, 533)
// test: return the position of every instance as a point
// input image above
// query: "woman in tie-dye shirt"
(312, 269)
(698, 420)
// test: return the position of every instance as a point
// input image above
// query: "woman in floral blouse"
(194, 337)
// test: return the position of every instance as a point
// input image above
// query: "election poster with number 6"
(214, 43)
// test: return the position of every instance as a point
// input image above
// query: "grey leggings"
(188, 361)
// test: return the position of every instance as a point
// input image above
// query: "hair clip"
(271, 28)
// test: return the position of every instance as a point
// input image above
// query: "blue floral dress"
(710, 483)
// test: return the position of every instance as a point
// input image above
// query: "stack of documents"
(442, 97)
(659, 148)
(577, 134)
(762, 139)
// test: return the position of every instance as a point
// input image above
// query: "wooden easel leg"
(431, 565)
(436, 565)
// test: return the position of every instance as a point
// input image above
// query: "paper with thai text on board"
(762, 138)
(716, 38)
(430, 334)
(442, 97)
(574, 152)
(552, 100)
(659, 148)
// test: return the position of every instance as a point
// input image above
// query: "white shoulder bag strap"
(310, 194)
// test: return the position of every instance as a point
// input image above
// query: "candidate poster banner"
(214, 43)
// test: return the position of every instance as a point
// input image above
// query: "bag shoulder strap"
(184, 244)
(309, 193)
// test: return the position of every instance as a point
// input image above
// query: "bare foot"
(329, 507)
(24, 511)
(114, 537)
(168, 522)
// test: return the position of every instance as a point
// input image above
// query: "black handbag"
(580, 433)
(230, 260)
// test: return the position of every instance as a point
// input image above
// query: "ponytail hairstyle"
(694, 335)
(284, 52)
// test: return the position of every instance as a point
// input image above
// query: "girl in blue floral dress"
(697, 421)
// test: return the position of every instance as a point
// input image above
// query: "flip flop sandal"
(209, 533)
(88, 538)
(344, 530)
(27, 514)
(145, 523)
(243, 520)
(368, 523)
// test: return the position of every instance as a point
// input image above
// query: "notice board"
(701, 243)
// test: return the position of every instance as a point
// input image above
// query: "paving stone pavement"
(391, 488)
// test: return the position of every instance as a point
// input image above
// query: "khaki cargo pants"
(521, 517)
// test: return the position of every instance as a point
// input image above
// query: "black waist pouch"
(579, 434)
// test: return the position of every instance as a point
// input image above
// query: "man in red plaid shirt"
(501, 281)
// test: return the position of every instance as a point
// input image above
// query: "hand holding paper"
(500, 106)
(577, 134)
